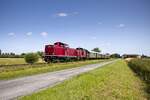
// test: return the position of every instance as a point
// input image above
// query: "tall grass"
(142, 68)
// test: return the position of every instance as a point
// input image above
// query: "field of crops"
(142, 68)
(10, 61)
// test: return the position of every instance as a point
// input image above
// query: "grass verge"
(13, 72)
(111, 82)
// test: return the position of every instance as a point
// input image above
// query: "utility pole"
(0, 52)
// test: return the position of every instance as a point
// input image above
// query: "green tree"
(115, 55)
(96, 50)
(22, 54)
(31, 58)
(40, 53)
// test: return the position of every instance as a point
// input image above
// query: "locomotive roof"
(61, 43)
(82, 49)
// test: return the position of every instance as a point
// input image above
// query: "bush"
(142, 68)
(40, 53)
(31, 58)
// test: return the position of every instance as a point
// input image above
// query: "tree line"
(13, 55)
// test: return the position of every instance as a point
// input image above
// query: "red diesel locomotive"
(61, 52)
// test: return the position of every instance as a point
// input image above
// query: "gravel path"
(11, 89)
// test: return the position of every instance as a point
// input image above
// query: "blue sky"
(121, 26)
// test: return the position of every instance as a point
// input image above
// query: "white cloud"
(29, 33)
(62, 14)
(11, 34)
(44, 34)
(121, 25)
